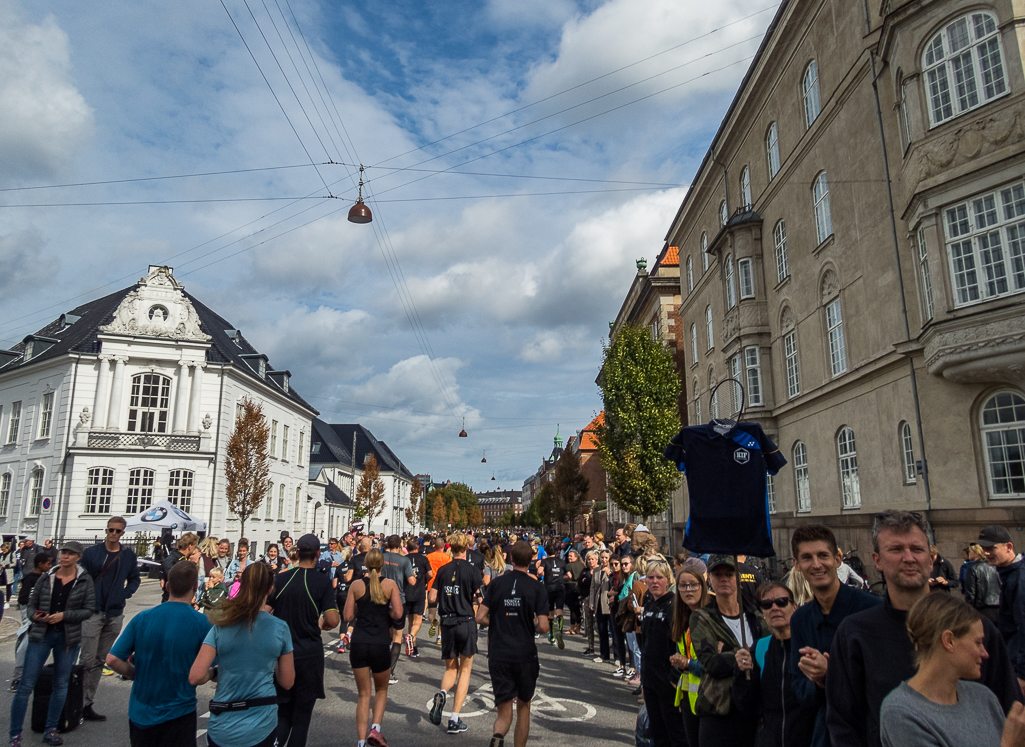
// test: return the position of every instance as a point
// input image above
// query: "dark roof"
(81, 337)
(336, 440)
(334, 494)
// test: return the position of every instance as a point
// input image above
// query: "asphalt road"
(577, 699)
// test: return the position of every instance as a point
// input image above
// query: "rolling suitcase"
(71, 717)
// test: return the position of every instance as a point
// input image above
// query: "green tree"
(546, 504)
(370, 498)
(529, 518)
(414, 509)
(640, 390)
(453, 514)
(570, 488)
(246, 467)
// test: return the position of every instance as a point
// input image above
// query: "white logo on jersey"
(741, 456)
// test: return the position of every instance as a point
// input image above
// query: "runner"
(399, 569)
(520, 606)
(375, 609)
(458, 589)
(416, 595)
(357, 571)
(552, 570)
(305, 599)
(437, 559)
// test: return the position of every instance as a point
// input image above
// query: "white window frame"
(847, 460)
(99, 490)
(772, 150)
(779, 235)
(735, 367)
(928, 308)
(140, 490)
(693, 343)
(704, 253)
(952, 67)
(746, 278)
(284, 442)
(697, 403)
(731, 289)
(281, 502)
(690, 274)
(820, 201)
(143, 415)
(298, 502)
(268, 504)
(180, 484)
(905, 118)
(35, 491)
(792, 364)
(1005, 432)
(985, 238)
(724, 213)
(274, 439)
(907, 452)
(302, 440)
(5, 492)
(837, 342)
(802, 484)
(745, 188)
(810, 90)
(770, 492)
(753, 375)
(14, 423)
(709, 330)
(45, 415)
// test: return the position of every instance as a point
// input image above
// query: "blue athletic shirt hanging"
(726, 479)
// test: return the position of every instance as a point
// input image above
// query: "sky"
(519, 157)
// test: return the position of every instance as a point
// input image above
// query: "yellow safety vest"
(686, 647)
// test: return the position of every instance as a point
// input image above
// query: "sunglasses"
(115, 530)
(781, 602)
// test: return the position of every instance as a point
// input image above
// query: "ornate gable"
(158, 307)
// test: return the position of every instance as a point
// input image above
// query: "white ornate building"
(131, 399)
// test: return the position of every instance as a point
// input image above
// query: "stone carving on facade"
(731, 324)
(990, 352)
(157, 308)
(786, 319)
(207, 422)
(830, 286)
(84, 417)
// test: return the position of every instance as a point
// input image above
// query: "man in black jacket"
(115, 571)
(872, 652)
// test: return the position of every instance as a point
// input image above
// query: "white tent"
(164, 515)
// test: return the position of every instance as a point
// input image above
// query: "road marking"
(542, 705)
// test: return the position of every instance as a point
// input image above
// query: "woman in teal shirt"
(253, 648)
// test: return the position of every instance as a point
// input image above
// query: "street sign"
(47, 505)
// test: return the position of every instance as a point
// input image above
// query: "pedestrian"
(214, 593)
(287, 552)
(552, 572)
(115, 571)
(813, 626)
(155, 652)
(657, 680)
(59, 603)
(495, 564)
(719, 631)
(942, 577)
(333, 557)
(27, 554)
(585, 584)
(19, 569)
(437, 559)
(515, 609)
(872, 653)
(184, 548)
(416, 595)
(293, 593)
(208, 552)
(750, 579)
(223, 554)
(253, 650)
(601, 585)
(1001, 554)
(941, 704)
(623, 536)
(43, 564)
(629, 599)
(7, 563)
(691, 594)
(375, 609)
(237, 567)
(762, 686)
(399, 569)
(981, 585)
(458, 587)
(616, 582)
(574, 569)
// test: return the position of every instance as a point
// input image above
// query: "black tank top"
(373, 621)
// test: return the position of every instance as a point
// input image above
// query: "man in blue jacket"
(115, 571)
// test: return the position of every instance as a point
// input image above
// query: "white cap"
(641, 528)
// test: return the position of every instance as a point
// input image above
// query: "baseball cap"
(993, 535)
(308, 543)
(714, 561)
(76, 547)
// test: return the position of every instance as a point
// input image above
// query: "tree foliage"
(640, 390)
(246, 466)
(370, 500)
(414, 509)
(529, 517)
(475, 517)
(546, 505)
(438, 514)
(453, 514)
(570, 488)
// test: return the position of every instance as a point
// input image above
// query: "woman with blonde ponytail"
(376, 608)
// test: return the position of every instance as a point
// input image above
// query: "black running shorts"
(459, 639)
(513, 679)
(556, 598)
(377, 656)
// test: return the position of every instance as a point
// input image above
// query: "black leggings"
(573, 602)
(690, 722)
(664, 718)
(294, 716)
(604, 623)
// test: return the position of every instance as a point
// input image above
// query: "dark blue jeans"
(35, 657)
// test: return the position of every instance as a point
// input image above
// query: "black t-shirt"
(358, 564)
(475, 559)
(340, 571)
(555, 573)
(457, 584)
(421, 567)
(513, 600)
(300, 597)
(59, 594)
(750, 580)
(733, 465)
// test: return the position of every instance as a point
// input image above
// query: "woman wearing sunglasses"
(784, 719)
(691, 594)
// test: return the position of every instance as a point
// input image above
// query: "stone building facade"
(852, 251)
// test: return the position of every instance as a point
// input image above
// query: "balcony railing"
(155, 441)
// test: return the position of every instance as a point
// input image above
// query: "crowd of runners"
(716, 655)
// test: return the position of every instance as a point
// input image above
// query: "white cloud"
(26, 265)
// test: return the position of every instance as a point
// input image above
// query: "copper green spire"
(558, 438)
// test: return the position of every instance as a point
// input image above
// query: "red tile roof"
(671, 258)
(588, 442)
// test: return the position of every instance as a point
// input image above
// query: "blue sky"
(510, 280)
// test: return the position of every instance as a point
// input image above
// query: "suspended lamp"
(462, 433)
(492, 477)
(360, 213)
(484, 457)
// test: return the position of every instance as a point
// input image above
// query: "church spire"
(558, 438)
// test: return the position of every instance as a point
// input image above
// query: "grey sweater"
(909, 719)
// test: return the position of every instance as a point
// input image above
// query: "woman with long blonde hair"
(253, 649)
(376, 608)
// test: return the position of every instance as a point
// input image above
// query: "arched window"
(298, 501)
(693, 343)
(697, 402)
(963, 66)
(98, 489)
(772, 150)
(848, 458)
(690, 274)
(5, 492)
(1003, 433)
(140, 490)
(837, 343)
(801, 477)
(746, 277)
(731, 290)
(709, 335)
(713, 402)
(179, 488)
(281, 503)
(779, 234)
(35, 495)
(823, 217)
(704, 252)
(148, 407)
(907, 453)
(745, 188)
(724, 214)
(810, 87)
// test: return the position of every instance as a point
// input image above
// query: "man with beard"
(872, 652)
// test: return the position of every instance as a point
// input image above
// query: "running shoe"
(551, 636)
(438, 640)
(107, 671)
(599, 660)
(50, 736)
(433, 630)
(409, 644)
(437, 708)
(16, 741)
(14, 685)
(619, 672)
(416, 652)
(497, 740)
(392, 679)
(376, 739)
(456, 727)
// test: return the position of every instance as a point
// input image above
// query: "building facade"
(496, 503)
(131, 399)
(852, 252)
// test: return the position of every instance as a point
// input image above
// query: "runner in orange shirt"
(437, 559)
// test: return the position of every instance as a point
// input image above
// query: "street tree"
(246, 466)
(476, 517)
(438, 513)
(453, 514)
(530, 518)
(415, 509)
(640, 391)
(546, 504)
(370, 498)
(570, 488)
